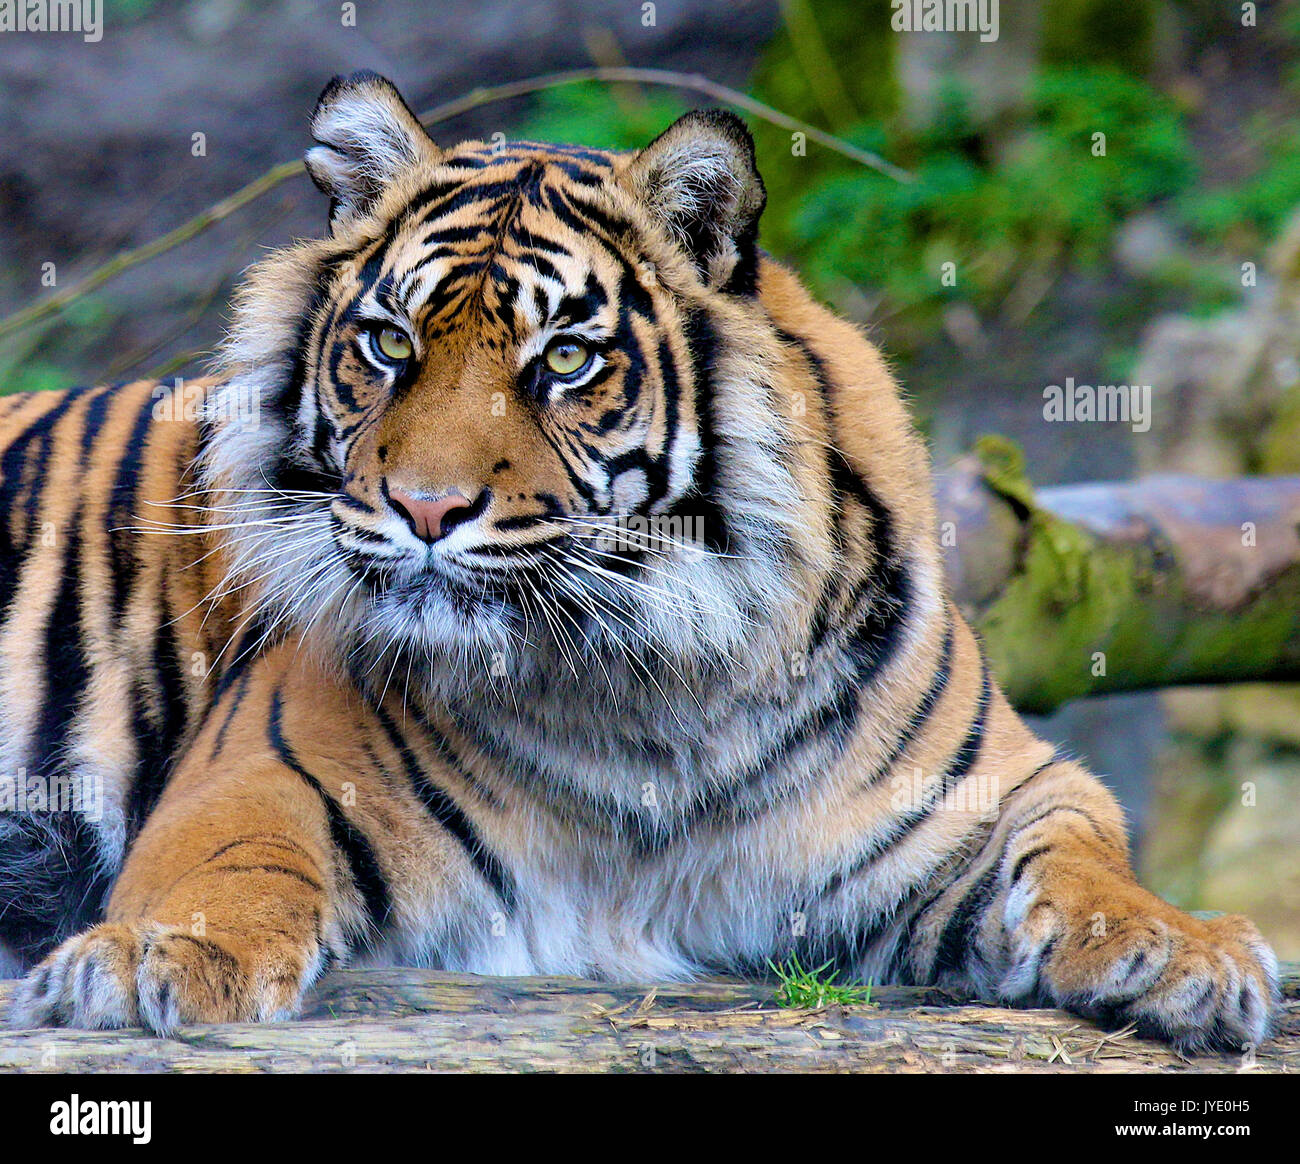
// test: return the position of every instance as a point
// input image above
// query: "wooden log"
(419, 1020)
(1121, 586)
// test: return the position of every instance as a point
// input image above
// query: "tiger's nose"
(432, 519)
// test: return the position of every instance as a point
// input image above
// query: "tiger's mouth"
(479, 580)
(549, 588)
(404, 575)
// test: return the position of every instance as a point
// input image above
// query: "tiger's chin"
(436, 623)
(480, 647)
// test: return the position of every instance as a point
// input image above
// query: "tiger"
(543, 582)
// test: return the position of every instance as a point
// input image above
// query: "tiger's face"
(489, 384)
(489, 402)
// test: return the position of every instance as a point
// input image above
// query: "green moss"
(1063, 602)
(1002, 463)
(1073, 596)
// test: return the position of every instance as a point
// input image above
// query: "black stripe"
(958, 940)
(66, 670)
(581, 217)
(703, 499)
(93, 422)
(1026, 859)
(925, 709)
(157, 732)
(123, 542)
(958, 934)
(12, 466)
(237, 668)
(1055, 809)
(37, 471)
(969, 752)
(888, 589)
(900, 969)
(919, 718)
(347, 837)
(671, 390)
(834, 722)
(449, 814)
(958, 767)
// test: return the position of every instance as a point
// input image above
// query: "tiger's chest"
(615, 914)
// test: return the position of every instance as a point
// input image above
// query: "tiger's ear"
(367, 136)
(699, 178)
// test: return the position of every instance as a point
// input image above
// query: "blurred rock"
(1252, 844)
(995, 76)
(1146, 243)
(1223, 830)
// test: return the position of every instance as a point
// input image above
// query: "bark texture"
(418, 1020)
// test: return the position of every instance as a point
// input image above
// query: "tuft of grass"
(802, 989)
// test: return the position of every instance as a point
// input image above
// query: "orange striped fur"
(365, 676)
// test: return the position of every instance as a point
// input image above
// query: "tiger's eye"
(566, 356)
(393, 344)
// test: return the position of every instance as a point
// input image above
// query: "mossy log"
(1089, 589)
(419, 1020)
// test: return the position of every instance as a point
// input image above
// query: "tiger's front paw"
(146, 974)
(1110, 951)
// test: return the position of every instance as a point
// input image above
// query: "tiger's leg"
(268, 857)
(1049, 913)
(230, 902)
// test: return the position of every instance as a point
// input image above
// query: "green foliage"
(832, 64)
(801, 989)
(1245, 214)
(34, 376)
(1250, 212)
(1193, 285)
(601, 116)
(1116, 32)
(48, 355)
(1034, 190)
(1041, 194)
(835, 68)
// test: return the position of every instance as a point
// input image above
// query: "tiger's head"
(520, 412)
